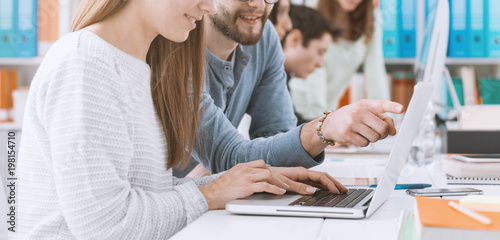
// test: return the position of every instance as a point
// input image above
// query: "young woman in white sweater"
(110, 111)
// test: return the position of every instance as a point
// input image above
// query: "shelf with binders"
(52, 20)
(39, 24)
(473, 32)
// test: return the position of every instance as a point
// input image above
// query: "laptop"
(356, 203)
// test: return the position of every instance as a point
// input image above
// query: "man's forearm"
(222, 147)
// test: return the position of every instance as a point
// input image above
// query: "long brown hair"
(176, 78)
(362, 18)
(273, 16)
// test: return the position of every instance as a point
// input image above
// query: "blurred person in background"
(305, 45)
(280, 18)
(360, 45)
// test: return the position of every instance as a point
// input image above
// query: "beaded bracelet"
(318, 129)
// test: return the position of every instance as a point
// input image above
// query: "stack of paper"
(481, 202)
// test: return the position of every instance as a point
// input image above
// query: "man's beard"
(226, 24)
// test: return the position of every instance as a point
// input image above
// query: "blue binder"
(477, 28)
(457, 45)
(8, 21)
(390, 13)
(494, 28)
(407, 35)
(27, 28)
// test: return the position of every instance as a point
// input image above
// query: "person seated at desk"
(110, 112)
(280, 18)
(360, 45)
(305, 45)
(246, 75)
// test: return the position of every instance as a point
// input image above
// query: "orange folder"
(12, 86)
(435, 212)
(8, 83)
(3, 89)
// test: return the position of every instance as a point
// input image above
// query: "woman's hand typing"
(246, 179)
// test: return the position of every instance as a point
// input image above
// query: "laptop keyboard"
(325, 198)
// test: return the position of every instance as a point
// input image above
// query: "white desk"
(381, 225)
(220, 224)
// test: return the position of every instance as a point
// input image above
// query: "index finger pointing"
(382, 106)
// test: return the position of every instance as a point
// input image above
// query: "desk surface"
(381, 225)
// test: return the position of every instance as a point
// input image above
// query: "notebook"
(473, 180)
(461, 169)
(357, 202)
(435, 219)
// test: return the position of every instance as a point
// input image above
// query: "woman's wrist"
(209, 196)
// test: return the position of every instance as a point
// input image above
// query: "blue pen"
(408, 186)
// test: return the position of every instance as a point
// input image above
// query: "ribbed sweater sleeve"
(199, 181)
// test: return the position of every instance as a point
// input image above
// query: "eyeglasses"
(267, 1)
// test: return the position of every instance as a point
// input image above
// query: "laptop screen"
(402, 145)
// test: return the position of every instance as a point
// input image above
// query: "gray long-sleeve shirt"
(255, 85)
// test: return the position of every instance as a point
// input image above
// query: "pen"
(408, 186)
(469, 213)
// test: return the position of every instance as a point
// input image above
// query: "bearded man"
(245, 74)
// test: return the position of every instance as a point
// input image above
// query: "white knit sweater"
(92, 160)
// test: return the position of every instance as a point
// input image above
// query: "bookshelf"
(27, 67)
(486, 66)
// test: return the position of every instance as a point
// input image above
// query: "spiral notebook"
(473, 181)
